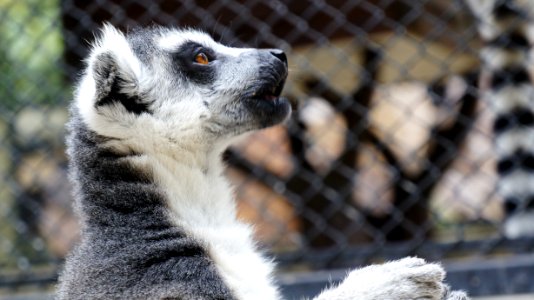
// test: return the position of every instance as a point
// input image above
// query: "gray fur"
(129, 249)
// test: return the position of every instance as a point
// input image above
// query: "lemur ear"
(116, 71)
(105, 74)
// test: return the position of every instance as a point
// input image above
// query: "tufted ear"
(105, 74)
(116, 72)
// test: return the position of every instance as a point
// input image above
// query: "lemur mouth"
(270, 91)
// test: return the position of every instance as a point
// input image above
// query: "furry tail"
(504, 27)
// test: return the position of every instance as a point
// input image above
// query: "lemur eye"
(202, 58)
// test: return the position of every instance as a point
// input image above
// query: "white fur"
(483, 11)
(518, 183)
(398, 280)
(507, 143)
(496, 58)
(529, 29)
(519, 225)
(112, 41)
(511, 97)
(175, 38)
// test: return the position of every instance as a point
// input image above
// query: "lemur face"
(179, 85)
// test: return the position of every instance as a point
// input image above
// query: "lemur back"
(506, 29)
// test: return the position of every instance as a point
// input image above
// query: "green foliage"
(31, 49)
(30, 52)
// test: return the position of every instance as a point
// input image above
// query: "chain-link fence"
(390, 153)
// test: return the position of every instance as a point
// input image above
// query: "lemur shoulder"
(153, 112)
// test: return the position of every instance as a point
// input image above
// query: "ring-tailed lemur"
(152, 114)
(507, 30)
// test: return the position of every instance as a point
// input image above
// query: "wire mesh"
(389, 154)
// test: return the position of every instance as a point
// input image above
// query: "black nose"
(279, 54)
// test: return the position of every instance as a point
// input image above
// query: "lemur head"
(162, 85)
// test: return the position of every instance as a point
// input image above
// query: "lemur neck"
(133, 190)
(195, 194)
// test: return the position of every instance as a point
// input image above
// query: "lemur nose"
(279, 54)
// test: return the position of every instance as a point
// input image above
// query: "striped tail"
(506, 29)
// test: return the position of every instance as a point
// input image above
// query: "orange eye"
(202, 59)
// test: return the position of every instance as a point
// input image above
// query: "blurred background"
(389, 154)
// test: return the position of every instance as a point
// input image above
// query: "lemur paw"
(406, 279)
(454, 295)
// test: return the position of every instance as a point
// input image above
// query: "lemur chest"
(229, 244)
(202, 204)
(240, 264)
